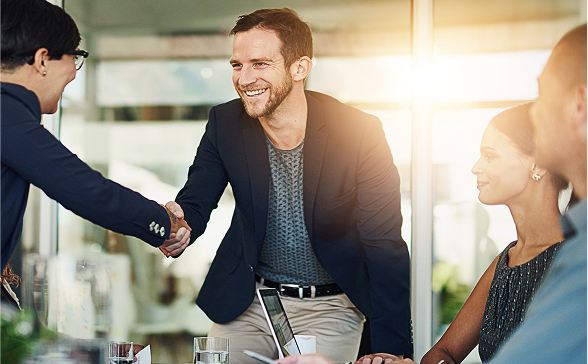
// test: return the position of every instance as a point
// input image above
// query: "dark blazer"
(351, 211)
(31, 154)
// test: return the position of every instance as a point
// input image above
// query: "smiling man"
(317, 204)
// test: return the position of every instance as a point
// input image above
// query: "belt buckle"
(301, 288)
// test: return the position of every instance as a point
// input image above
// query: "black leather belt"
(301, 290)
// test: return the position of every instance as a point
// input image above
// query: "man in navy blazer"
(304, 169)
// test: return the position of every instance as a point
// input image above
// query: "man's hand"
(382, 358)
(305, 359)
(179, 238)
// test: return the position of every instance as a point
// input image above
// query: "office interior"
(434, 72)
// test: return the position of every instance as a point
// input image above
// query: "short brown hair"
(294, 33)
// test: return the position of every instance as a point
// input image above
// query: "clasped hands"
(179, 237)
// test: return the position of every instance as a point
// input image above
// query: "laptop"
(278, 322)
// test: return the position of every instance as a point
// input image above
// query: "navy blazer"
(31, 154)
(351, 211)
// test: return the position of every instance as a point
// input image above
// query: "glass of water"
(211, 350)
(120, 352)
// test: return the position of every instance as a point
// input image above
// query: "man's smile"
(252, 93)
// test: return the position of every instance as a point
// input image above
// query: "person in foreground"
(40, 56)
(554, 328)
(317, 204)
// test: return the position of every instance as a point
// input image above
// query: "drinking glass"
(211, 350)
(120, 352)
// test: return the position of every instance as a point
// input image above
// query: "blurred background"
(137, 110)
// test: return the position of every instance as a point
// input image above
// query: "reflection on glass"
(71, 294)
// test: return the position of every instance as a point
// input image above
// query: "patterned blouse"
(510, 292)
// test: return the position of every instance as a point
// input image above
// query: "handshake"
(179, 237)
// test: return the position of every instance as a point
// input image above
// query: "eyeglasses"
(79, 57)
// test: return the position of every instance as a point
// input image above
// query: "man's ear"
(301, 68)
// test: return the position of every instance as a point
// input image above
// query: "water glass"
(211, 350)
(120, 352)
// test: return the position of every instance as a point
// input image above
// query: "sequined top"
(511, 291)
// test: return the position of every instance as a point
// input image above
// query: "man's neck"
(577, 177)
(579, 186)
(286, 127)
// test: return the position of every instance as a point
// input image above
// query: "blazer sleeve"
(37, 156)
(379, 225)
(207, 180)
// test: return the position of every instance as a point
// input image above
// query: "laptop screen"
(278, 322)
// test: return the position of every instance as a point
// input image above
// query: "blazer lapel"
(258, 166)
(315, 142)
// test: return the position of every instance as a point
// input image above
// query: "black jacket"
(31, 154)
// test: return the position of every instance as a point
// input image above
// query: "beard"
(277, 96)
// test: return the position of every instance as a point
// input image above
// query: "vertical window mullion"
(422, 175)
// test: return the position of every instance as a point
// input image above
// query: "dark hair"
(28, 25)
(515, 123)
(295, 34)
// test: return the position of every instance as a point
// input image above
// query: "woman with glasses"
(40, 56)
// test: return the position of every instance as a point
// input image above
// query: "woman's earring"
(536, 176)
(44, 73)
